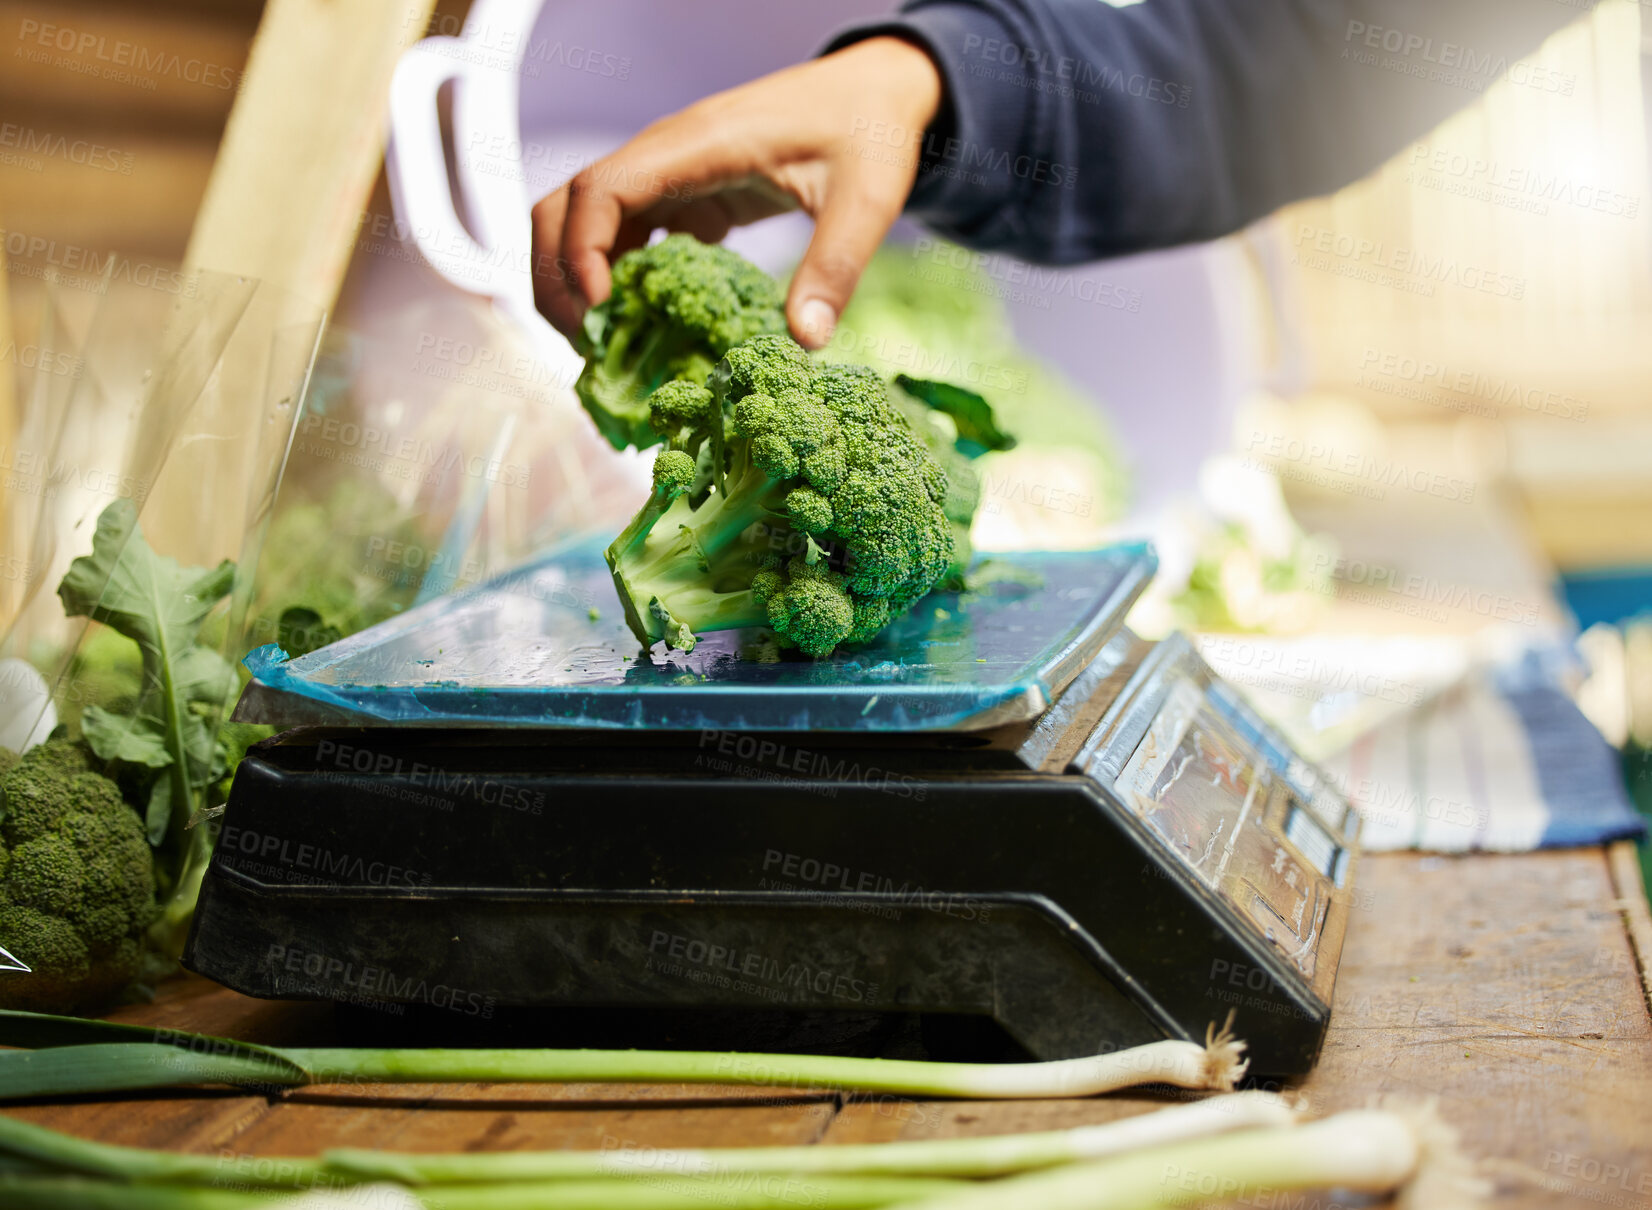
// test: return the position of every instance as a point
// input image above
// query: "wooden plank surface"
(1507, 987)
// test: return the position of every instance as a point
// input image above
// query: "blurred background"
(1390, 443)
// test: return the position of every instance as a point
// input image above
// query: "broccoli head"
(791, 494)
(676, 307)
(77, 883)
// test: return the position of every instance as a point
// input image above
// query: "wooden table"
(1513, 988)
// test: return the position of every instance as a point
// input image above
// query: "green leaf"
(37, 1030)
(103, 1067)
(160, 605)
(202, 676)
(137, 739)
(149, 598)
(66, 1055)
(233, 741)
(978, 429)
(158, 813)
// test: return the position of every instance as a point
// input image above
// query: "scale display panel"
(1216, 788)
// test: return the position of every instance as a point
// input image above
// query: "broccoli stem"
(170, 929)
(640, 373)
(616, 397)
(693, 561)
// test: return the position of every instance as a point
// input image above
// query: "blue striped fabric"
(1578, 771)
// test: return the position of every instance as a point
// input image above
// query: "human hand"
(837, 137)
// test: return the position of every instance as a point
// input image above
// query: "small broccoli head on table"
(791, 494)
(77, 884)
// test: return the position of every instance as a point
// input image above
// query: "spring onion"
(741, 1191)
(37, 1149)
(1372, 1151)
(77, 1056)
(1365, 1151)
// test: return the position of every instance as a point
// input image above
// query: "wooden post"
(9, 597)
(304, 143)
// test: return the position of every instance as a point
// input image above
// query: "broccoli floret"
(676, 307)
(792, 494)
(77, 882)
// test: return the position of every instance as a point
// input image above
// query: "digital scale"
(1008, 807)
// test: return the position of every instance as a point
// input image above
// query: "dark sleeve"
(1075, 130)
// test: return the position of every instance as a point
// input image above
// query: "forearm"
(1075, 130)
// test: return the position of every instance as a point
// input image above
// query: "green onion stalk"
(1411, 1153)
(740, 1192)
(1228, 1148)
(27, 1147)
(76, 1056)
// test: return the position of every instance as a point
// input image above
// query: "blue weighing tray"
(523, 651)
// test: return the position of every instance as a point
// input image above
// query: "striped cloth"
(1503, 761)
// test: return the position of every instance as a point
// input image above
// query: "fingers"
(591, 228)
(766, 147)
(554, 294)
(659, 177)
(707, 220)
(858, 210)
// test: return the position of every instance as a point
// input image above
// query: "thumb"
(852, 223)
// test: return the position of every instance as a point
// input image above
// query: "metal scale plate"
(1009, 806)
